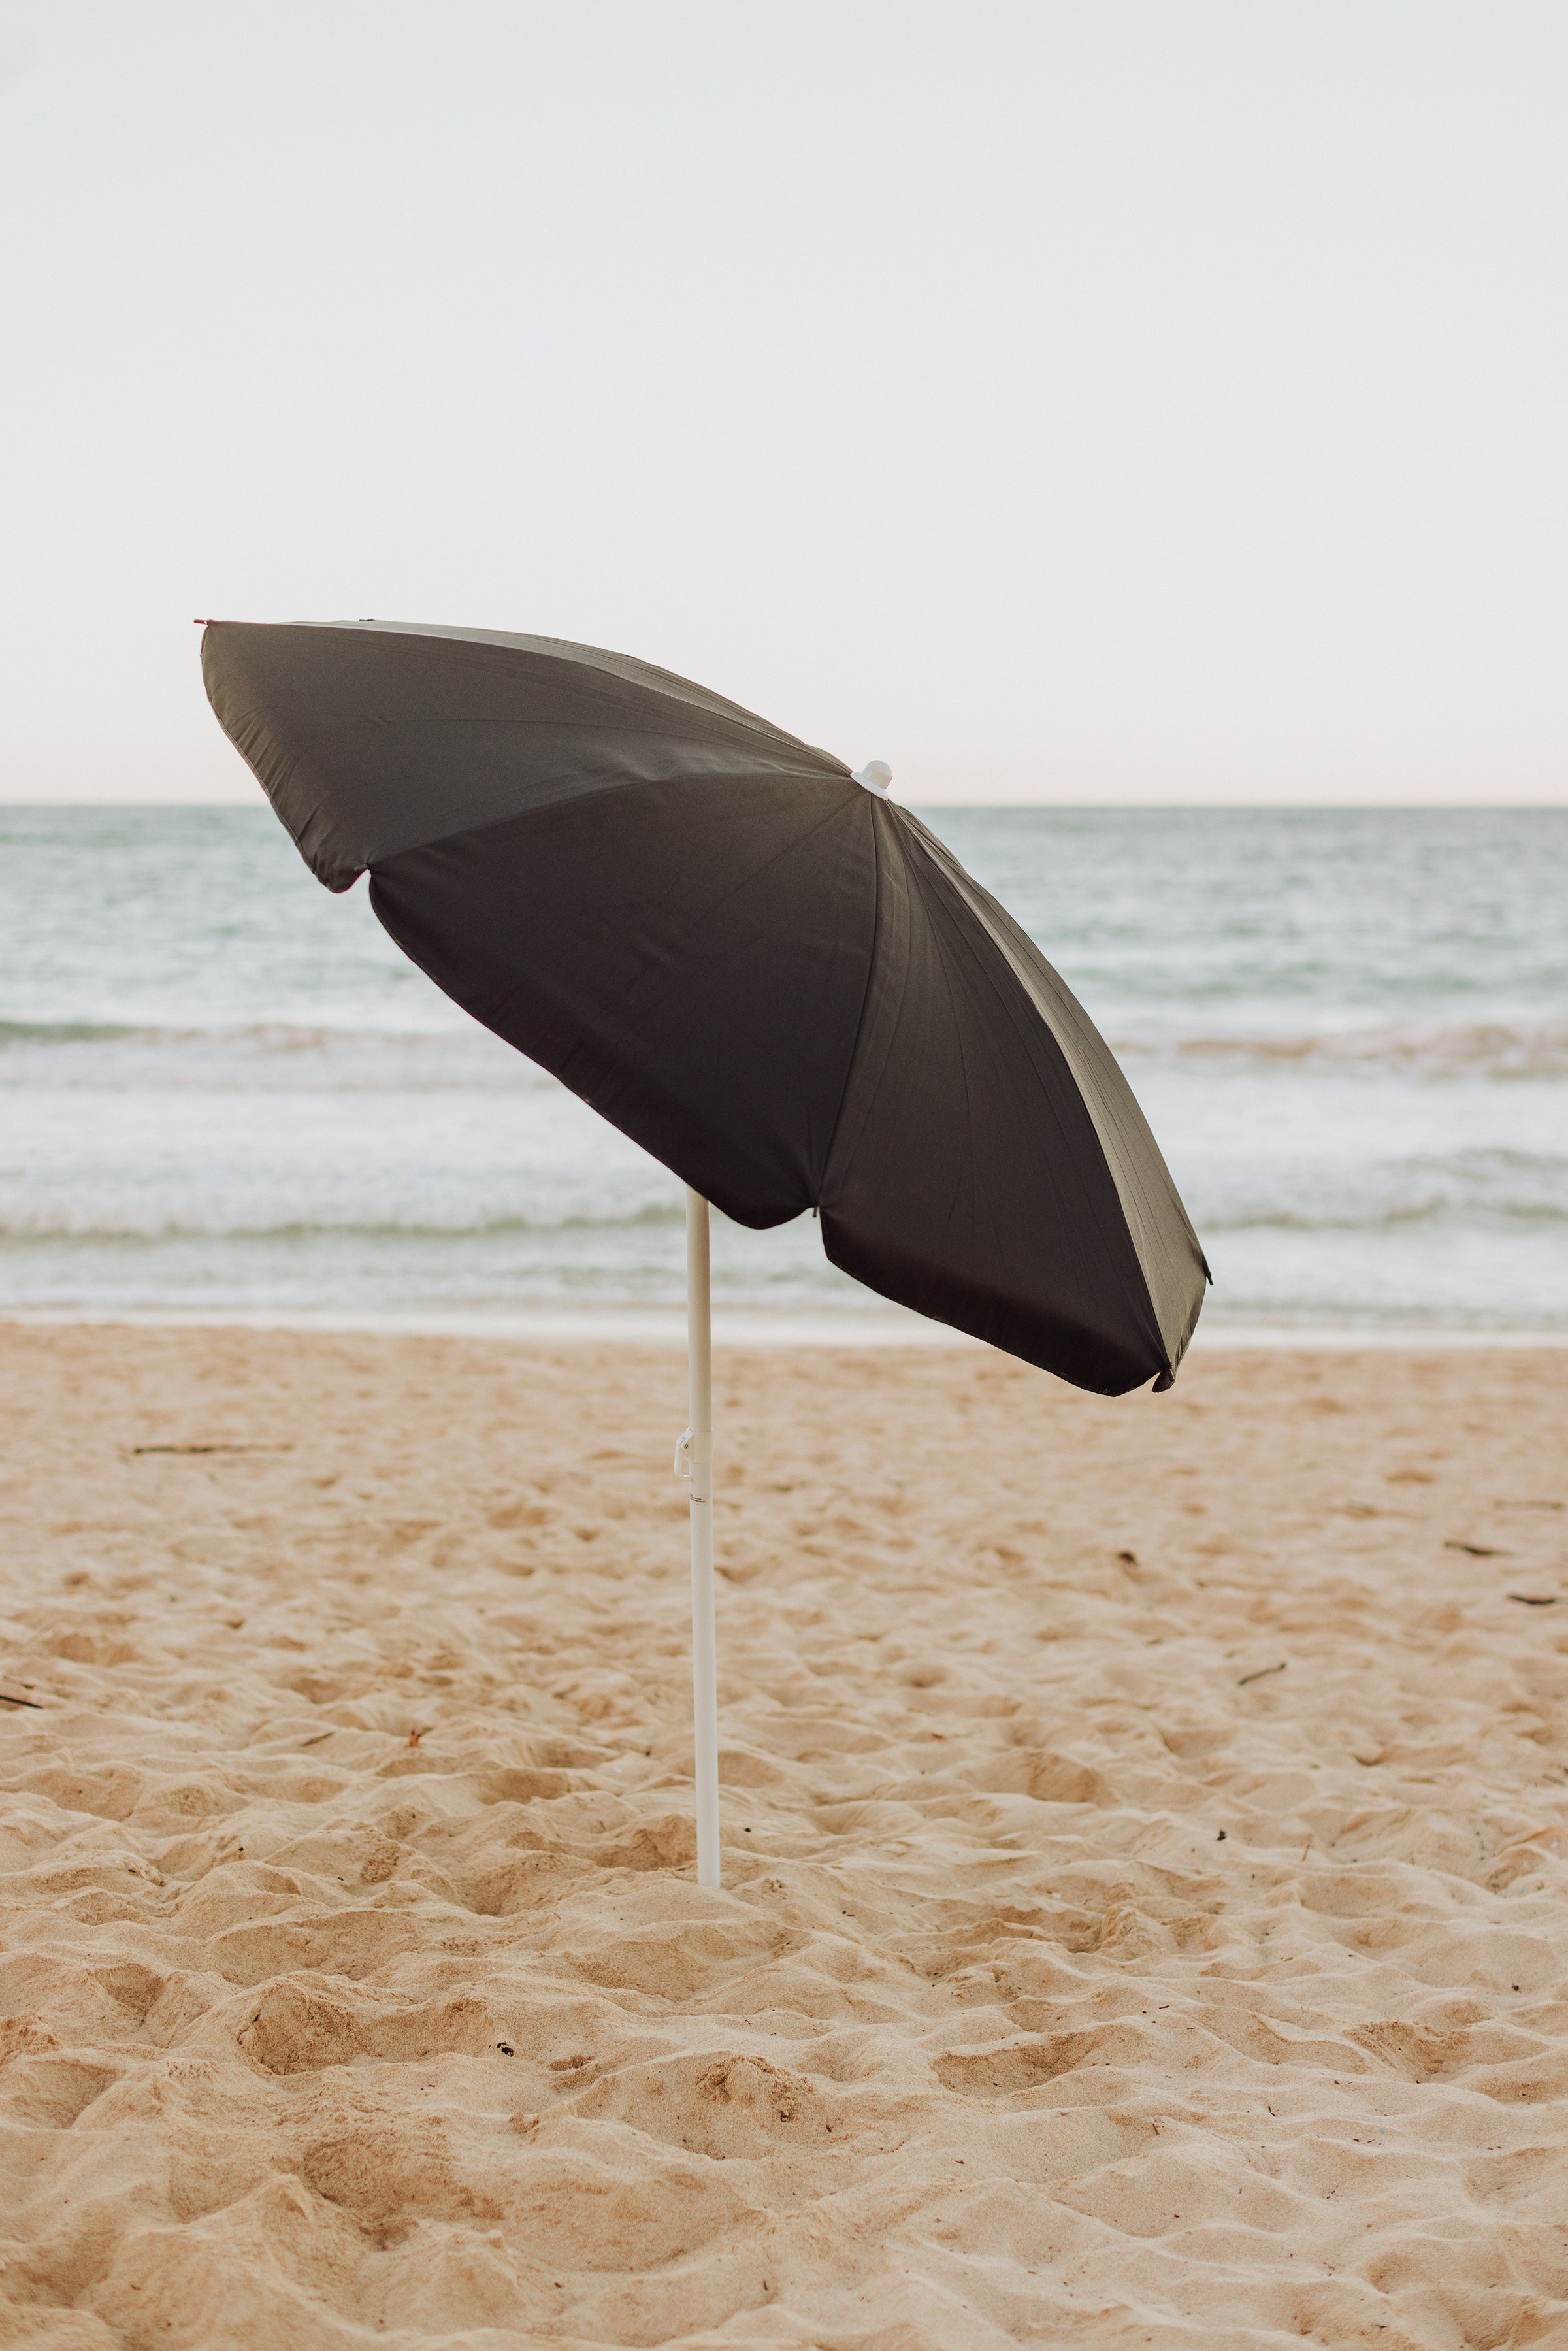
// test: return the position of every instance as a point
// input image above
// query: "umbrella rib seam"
(1124, 1176)
(865, 998)
(600, 787)
(414, 645)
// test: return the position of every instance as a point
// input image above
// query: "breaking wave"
(286, 1055)
(265, 1056)
(1477, 1187)
(1528, 1050)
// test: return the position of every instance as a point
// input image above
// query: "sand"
(1145, 1829)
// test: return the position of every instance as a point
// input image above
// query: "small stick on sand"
(212, 1448)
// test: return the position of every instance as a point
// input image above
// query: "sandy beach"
(1144, 1838)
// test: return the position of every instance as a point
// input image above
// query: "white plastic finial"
(876, 774)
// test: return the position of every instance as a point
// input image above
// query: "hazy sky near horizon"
(1075, 399)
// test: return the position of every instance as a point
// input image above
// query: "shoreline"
(755, 1327)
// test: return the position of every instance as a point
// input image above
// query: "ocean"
(224, 1092)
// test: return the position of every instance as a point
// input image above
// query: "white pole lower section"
(704, 1658)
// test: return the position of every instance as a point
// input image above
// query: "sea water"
(224, 1091)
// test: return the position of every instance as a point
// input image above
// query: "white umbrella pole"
(704, 1660)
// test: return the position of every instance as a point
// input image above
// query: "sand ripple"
(1145, 1842)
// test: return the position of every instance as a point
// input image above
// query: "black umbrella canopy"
(777, 982)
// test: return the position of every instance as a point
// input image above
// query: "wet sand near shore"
(1146, 1917)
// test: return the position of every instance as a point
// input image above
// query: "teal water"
(222, 1089)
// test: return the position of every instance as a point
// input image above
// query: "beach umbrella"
(751, 961)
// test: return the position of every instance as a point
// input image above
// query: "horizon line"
(229, 801)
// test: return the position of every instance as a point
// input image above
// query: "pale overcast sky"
(1073, 399)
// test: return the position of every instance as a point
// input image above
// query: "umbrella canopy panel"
(779, 982)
